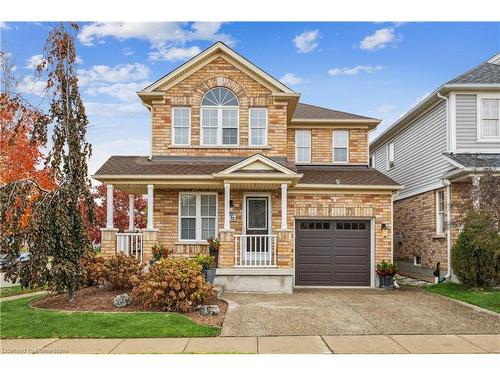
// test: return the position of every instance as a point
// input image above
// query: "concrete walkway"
(354, 344)
(18, 296)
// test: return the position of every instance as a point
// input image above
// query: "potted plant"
(207, 264)
(386, 271)
(159, 252)
(213, 249)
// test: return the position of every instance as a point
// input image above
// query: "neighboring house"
(285, 186)
(434, 151)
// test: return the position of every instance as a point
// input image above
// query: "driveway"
(352, 312)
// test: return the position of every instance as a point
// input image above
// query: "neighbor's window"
(372, 162)
(219, 117)
(198, 216)
(490, 124)
(258, 126)
(340, 146)
(417, 260)
(303, 146)
(390, 155)
(181, 120)
(440, 212)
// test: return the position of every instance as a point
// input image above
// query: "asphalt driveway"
(352, 312)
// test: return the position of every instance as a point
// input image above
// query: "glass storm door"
(257, 228)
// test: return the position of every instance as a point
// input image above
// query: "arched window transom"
(219, 117)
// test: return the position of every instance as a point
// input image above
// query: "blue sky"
(374, 69)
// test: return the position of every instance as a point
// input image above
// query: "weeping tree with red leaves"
(120, 211)
(56, 234)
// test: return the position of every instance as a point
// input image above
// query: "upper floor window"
(181, 125)
(440, 212)
(390, 155)
(371, 162)
(258, 126)
(303, 146)
(340, 146)
(489, 129)
(219, 117)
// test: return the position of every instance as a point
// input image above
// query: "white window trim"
(415, 261)
(479, 110)
(250, 127)
(333, 147)
(438, 226)
(297, 132)
(173, 127)
(198, 195)
(389, 167)
(219, 122)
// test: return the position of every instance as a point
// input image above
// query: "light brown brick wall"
(190, 91)
(415, 222)
(380, 205)
(322, 144)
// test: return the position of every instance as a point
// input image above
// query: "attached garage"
(332, 253)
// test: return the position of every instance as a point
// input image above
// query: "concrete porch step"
(218, 289)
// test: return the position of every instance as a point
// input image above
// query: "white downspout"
(448, 226)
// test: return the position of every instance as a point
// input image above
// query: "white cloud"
(355, 70)
(32, 86)
(378, 40)
(114, 109)
(386, 108)
(291, 79)
(174, 53)
(123, 91)
(4, 26)
(33, 61)
(99, 74)
(307, 41)
(127, 51)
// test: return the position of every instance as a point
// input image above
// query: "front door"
(257, 227)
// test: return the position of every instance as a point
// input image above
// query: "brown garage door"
(332, 252)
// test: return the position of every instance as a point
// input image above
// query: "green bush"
(205, 261)
(119, 269)
(474, 255)
(173, 284)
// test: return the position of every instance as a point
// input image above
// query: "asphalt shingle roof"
(476, 160)
(483, 73)
(312, 112)
(343, 175)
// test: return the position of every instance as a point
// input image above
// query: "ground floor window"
(417, 260)
(440, 212)
(197, 216)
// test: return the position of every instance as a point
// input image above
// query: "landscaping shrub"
(173, 284)
(119, 269)
(473, 257)
(94, 269)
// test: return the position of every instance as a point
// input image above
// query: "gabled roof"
(311, 112)
(256, 163)
(217, 48)
(467, 160)
(485, 76)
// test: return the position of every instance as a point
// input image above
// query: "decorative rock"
(122, 300)
(206, 310)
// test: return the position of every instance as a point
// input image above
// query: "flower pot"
(209, 275)
(386, 281)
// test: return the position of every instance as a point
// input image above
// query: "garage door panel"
(336, 257)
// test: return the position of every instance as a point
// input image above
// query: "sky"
(379, 70)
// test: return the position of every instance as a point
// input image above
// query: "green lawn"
(486, 298)
(18, 319)
(15, 290)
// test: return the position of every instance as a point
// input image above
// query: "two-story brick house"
(285, 186)
(436, 151)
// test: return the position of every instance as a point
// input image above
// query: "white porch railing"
(255, 250)
(130, 244)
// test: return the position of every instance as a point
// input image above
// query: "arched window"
(219, 117)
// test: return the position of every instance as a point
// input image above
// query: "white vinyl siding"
(181, 125)
(303, 146)
(440, 212)
(198, 216)
(340, 146)
(258, 126)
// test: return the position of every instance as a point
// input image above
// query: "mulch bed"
(101, 300)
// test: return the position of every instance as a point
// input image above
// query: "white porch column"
(131, 201)
(227, 202)
(150, 207)
(284, 224)
(109, 207)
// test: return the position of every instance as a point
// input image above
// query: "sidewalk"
(366, 344)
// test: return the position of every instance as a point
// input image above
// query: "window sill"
(488, 140)
(438, 236)
(246, 147)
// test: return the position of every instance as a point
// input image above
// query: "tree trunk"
(71, 295)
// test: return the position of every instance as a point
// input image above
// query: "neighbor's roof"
(117, 166)
(344, 175)
(467, 160)
(484, 76)
(312, 112)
